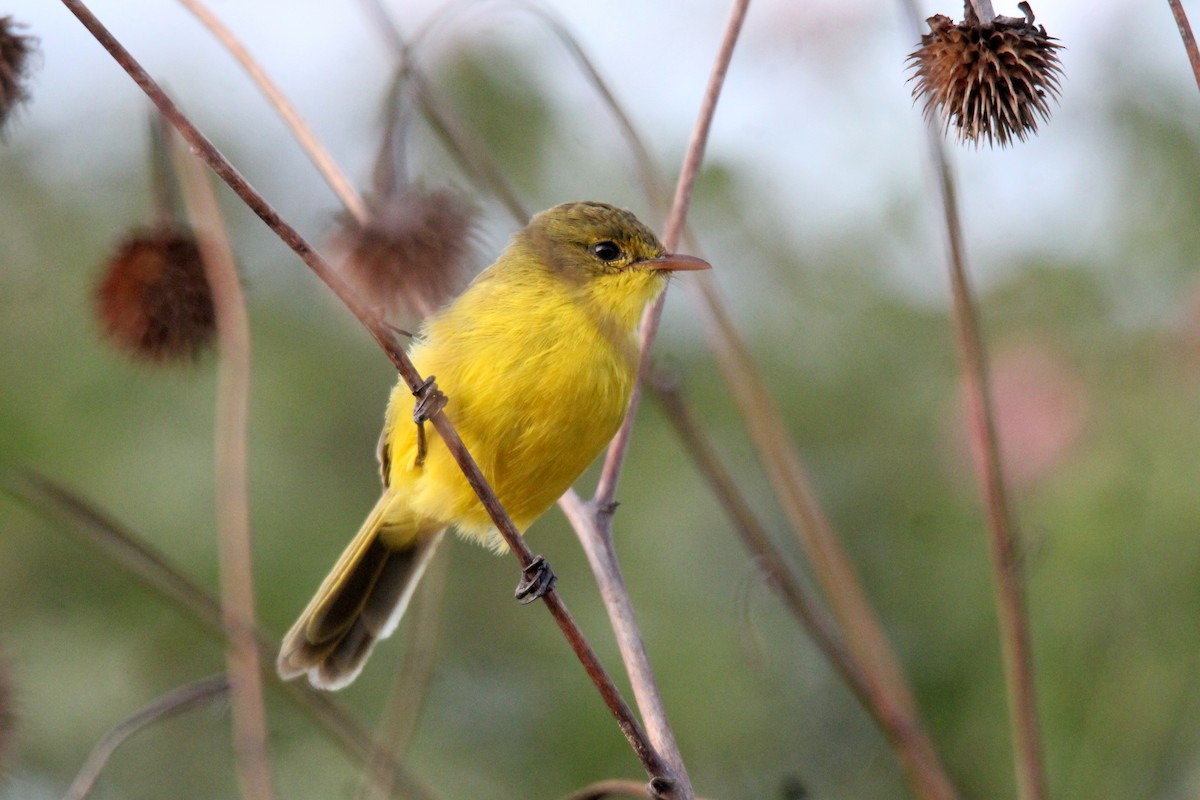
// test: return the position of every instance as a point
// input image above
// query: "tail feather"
(358, 603)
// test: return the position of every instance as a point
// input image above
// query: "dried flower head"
(413, 252)
(989, 80)
(15, 50)
(153, 300)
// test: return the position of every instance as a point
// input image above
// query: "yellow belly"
(534, 402)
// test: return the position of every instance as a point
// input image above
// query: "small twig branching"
(153, 569)
(661, 775)
(174, 702)
(465, 148)
(595, 527)
(307, 140)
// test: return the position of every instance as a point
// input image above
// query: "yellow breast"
(538, 375)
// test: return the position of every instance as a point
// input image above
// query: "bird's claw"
(430, 402)
(536, 581)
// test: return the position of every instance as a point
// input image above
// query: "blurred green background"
(1085, 244)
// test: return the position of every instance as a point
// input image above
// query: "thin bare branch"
(164, 707)
(232, 482)
(983, 9)
(595, 526)
(462, 145)
(307, 140)
(1189, 40)
(802, 603)
(389, 340)
(614, 787)
(402, 708)
(149, 566)
(1002, 533)
(606, 487)
(922, 767)
(831, 564)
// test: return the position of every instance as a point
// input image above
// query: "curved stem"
(133, 554)
(307, 140)
(232, 491)
(164, 707)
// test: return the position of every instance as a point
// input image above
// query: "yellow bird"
(537, 357)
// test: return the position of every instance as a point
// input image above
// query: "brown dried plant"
(153, 300)
(988, 80)
(16, 50)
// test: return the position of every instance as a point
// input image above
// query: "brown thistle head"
(15, 55)
(153, 300)
(988, 80)
(413, 253)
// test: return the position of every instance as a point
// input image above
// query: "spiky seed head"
(15, 52)
(153, 300)
(414, 251)
(988, 80)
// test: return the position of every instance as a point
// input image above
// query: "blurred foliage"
(867, 379)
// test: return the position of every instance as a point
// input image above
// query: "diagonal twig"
(307, 140)
(660, 773)
(1189, 40)
(593, 520)
(176, 701)
(606, 487)
(155, 570)
(890, 699)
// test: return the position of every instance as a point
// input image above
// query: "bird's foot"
(537, 580)
(430, 402)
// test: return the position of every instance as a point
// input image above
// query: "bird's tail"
(359, 602)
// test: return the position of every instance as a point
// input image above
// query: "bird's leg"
(430, 402)
(538, 579)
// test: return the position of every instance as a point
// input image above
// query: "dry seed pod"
(154, 301)
(988, 80)
(413, 252)
(15, 52)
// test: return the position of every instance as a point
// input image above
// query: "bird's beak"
(674, 262)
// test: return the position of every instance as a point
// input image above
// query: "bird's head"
(607, 252)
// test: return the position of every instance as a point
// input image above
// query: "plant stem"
(1011, 612)
(595, 527)
(307, 140)
(388, 339)
(983, 9)
(232, 493)
(1002, 539)
(1189, 40)
(405, 700)
(470, 154)
(168, 705)
(133, 554)
(606, 487)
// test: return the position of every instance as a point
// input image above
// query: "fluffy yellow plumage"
(537, 358)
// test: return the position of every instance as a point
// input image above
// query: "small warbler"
(537, 359)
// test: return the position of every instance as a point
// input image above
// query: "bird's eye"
(606, 251)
